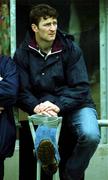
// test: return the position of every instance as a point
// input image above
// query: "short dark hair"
(42, 10)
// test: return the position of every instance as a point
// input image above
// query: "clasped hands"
(47, 108)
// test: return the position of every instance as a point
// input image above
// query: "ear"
(34, 27)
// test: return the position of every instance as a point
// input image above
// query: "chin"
(52, 39)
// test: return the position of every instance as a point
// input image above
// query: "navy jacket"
(8, 95)
(59, 77)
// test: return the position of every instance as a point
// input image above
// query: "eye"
(54, 23)
(47, 25)
(50, 24)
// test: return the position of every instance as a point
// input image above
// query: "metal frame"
(103, 15)
(12, 26)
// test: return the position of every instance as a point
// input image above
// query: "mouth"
(52, 34)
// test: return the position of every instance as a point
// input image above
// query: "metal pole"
(13, 43)
(107, 60)
(12, 27)
(103, 122)
(103, 67)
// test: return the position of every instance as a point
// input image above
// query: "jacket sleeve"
(8, 82)
(77, 91)
(26, 100)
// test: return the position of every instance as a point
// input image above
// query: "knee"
(90, 138)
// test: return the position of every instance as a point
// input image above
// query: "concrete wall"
(98, 167)
(11, 169)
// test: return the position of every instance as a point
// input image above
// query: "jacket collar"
(57, 45)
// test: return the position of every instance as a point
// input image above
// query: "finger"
(43, 106)
(49, 104)
(53, 108)
(52, 113)
(56, 109)
(49, 109)
(36, 109)
(46, 113)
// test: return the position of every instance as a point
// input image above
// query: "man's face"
(46, 30)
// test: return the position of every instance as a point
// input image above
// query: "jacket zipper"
(38, 51)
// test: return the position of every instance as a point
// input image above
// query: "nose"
(53, 27)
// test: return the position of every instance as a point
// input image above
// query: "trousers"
(1, 169)
(83, 127)
(78, 141)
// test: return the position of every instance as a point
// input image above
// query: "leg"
(27, 161)
(83, 124)
(1, 169)
(47, 148)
